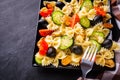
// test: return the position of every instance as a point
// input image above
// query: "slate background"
(18, 21)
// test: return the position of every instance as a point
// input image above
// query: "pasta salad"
(69, 28)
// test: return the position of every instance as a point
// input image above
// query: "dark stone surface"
(18, 20)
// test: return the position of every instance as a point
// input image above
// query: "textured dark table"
(18, 20)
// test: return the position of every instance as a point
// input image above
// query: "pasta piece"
(100, 60)
(75, 63)
(109, 63)
(52, 26)
(106, 17)
(49, 19)
(56, 42)
(78, 29)
(89, 31)
(61, 54)
(55, 62)
(97, 2)
(115, 46)
(75, 58)
(91, 14)
(79, 39)
(49, 40)
(86, 44)
(67, 9)
(106, 32)
(83, 12)
(69, 32)
(105, 2)
(67, 51)
(98, 27)
(47, 61)
(76, 5)
(105, 8)
(106, 53)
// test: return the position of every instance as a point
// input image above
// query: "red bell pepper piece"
(100, 11)
(75, 18)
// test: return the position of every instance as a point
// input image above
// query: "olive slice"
(107, 43)
(42, 23)
(96, 20)
(60, 4)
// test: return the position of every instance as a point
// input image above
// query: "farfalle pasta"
(69, 28)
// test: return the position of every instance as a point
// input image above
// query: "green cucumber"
(38, 60)
(87, 4)
(57, 17)
(98, 36)
(96, 43)
(85, 22)
(66, 42)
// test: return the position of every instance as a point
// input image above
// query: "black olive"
(107, 43)
(60, 4)
(96, 20)
(42, 23)
(77, 49)
(68, 0)
(51, 52)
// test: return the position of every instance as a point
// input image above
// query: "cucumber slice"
(96, 43)
(66, 42)
(57, 17)
(38, 58)
(98, 36)
(85, 22)
(87, 4)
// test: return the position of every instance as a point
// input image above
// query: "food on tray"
(69, 27)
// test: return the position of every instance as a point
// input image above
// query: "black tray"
(96, 68)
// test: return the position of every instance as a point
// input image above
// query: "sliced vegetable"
(77, 49)
(66, 60)
(96, 43)
(107, 43)
(44, 12)
(38, 58)
(50, 6)
(98, 36)
(66, 42)
(57, 17)
(84, 21)
(67, 20)
(75, 18)
(42, 23)
(108, 25)
(51, 52)
(43, 47)
(96, 20)
(87, 4)
(45, 32)
(100, 11)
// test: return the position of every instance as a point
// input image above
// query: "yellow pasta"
(46, 61)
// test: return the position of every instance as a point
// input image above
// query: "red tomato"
(43, 47)
(75, 18)
(44, 12)
(45, 32)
